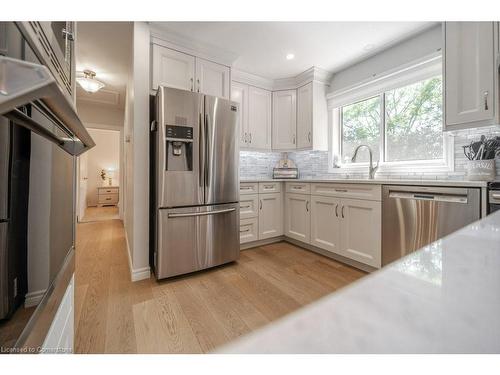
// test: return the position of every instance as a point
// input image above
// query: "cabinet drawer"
(249, 187)
(298, 187)
(355, 191)
(249, 206)
(110, 190)
(108, 199)
(249, 230)
(269, 187)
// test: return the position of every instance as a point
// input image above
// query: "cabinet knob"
(250, 137)
(198, 82)
(192, 87)
(485, 100)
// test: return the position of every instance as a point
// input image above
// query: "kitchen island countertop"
(444, 298)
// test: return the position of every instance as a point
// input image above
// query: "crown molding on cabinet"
(191, 47)
(313, 74)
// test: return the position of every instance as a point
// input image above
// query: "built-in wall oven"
(40, 136)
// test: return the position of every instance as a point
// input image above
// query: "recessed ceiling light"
(290, 56)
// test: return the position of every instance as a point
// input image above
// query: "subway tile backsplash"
(314, 164)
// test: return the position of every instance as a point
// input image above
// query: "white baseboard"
(139, 273)
(33, 298)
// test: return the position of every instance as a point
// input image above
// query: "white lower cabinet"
(270, 216)
(298, 217)
(325, 223)
(249, 206)
(361, 231)
(249, 230)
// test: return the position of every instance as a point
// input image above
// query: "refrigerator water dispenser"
(179, 145)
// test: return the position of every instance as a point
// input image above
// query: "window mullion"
(382, 149)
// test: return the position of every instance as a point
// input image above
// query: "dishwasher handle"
(418, 196)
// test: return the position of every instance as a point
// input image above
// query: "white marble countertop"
(381, 181)
(444, 298)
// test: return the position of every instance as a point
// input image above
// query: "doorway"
(99, 196)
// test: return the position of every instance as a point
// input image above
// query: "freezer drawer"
(195, 238)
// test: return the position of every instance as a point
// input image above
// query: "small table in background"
(107, 195)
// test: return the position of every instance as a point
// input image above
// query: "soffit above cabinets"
(260, 48)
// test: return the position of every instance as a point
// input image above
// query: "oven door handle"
(205, 213)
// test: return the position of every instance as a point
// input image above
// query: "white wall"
(412, 49)
(99, 113)
(136, 150)
(105, 155)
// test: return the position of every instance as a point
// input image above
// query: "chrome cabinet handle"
(69, 35)
(337, 210)
(201, 213)
(485, 100)
(261, 204)
(341, 190)
(198, 82)
(192, 85)
(307, 206)
(342, 212)
(245, 138)
(245, 207)
(245, 188)
(309, 137)
(244, 230)
(250, 137)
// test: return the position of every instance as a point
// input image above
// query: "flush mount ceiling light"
(290, 56)
(89, 83)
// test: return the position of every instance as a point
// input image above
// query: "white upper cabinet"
(471, 74)
(239, 94)
(284, 119)
(270, 215)
(186, 72)
(312, 117)
(259, 119)
(361, 231)
(172, 68)
(212, 79)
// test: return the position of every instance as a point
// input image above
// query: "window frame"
(407, 76)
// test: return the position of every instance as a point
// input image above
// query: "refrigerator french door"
(196, 158)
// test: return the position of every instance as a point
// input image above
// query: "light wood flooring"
(195, 313)
(100, 214)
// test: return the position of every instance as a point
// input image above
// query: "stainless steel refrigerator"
(195, 154)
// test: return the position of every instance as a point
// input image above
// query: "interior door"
(82, 187)
(212, 79)
(172, 68)
(284, 119)
(325, 223)
(222, 151)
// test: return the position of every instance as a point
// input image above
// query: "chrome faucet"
(371, 168)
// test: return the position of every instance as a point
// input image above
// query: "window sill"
(409, 167)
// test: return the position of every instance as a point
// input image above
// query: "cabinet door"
(249, 206)
(284, 119)
(361, 231)
(239, 94)
(172, 68)
(259, 118)
(212, 79)
(297, 217)
(304, 116)
(325, 223)
(249, 230)
(270, 216)
(469, 73)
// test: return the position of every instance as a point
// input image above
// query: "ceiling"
(261, 47)
(105, 48)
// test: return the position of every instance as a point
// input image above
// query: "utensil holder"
(481, 170)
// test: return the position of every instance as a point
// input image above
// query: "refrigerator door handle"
(201, 153)
(205, 213)
(208, 155)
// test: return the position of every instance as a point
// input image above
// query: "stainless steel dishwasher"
(414, 216)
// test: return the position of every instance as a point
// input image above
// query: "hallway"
(195, 313)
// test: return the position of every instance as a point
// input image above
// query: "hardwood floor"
(100, 214)
(194, 313)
